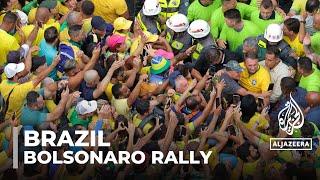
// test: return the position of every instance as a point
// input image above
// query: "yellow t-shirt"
(121, 107)
(257, 82)
(298, 6)
(17, 96)
(109, 10)
(137, 121)
(32, 14)
(28, 29)
(263, 123)
(86, 26)
(62, 9)
(249, 169)
(64, 35)
(213, 159)
(108, 91)
(105, 126)
(8, 43)
(295, 45)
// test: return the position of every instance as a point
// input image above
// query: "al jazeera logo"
(291, 119)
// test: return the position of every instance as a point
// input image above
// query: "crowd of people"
(162, 75)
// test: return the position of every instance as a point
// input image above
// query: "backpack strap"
(146, 120)
(7, 101)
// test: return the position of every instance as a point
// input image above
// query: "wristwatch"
(304, 22)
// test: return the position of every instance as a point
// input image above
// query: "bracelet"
(304, 22)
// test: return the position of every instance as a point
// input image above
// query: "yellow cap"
(151, 37)
(121, 23)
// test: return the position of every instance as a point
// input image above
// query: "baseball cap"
(173, 76)
(48, 4)
(121, 23)
(98, 23)
(116, 39)
(12, 69)
(233, 66)
(16, 56)
(37, 62)
(159, 64)
(23, 17)
(85, 107)
(163, 53)
(151, 37)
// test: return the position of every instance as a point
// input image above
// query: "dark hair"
(273, 50)
(292, 24)
(274, 128)
(266, 4)
(87, 7)
(32, 97)
(305, 64)
(110, 60)
(114, 48)
(212, 55)
(312, 5)
(307, 130)
(51, 34)
(116, 90)
(250, 55)
(90, 47)
(248, 107)
(124, 120)
(243, 151)
(142, 106)
(183, 69)
(288, 84)
(191, 102)
(220, 172)
(10, 17)
(73, 30)
(233, 14)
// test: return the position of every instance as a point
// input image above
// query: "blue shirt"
(154, 78)
(313, 115)
(298, 96)
(49, 52)
(32, 117)
(87, 92)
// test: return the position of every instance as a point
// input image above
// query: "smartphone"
(236, 99)
(98, 45)
(217, 102)
(183, 131)
(260, 102)
(14, 116)
(268, 108)
(212, 70)
(232, 130)
(270, 88)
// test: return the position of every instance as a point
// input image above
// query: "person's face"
(125, 91)
(316, 24)
(230, 23)
(251, 65)
(299, 69)
(183, 85)
(229, 5)
(71, 4)
(54, 11)
(272, 43)
(40, 103)
(247, 49)
(96, 81)
(101, 33)
(266, 13)
(286, 31)
(123, 47)
(235, 75)
(207, 2)
(81, 36)
(74, 71)
(151, 107)
(271, 61)
(121, 75)
(253, 152)
(51, 91)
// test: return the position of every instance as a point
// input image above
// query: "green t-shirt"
(261, 53)
(263, 24)
(315, 42)
(27, 8)
(311, 82)
(75, 120)
(217, 18)
(198, 11)
(234, 38)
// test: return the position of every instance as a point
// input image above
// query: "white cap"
(85, 107)
(12, 69)
(178, 23)
(23, 17)
(151, 8)
(199, 28)
(273, 33)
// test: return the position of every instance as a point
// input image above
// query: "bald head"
(42, 15)
(313, 99)
(90, 76)
(316, 21)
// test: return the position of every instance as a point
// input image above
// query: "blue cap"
(98, 23)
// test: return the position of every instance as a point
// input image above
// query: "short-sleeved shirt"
(298, 6)
(32, 117)
(86, 26)
(312, 81)
(146, 128)
(257, 19)
(198, 11)
(217, 17)
(17, 96)
(262, 125)
(50, 52)
(315, 43)
(108, 91)
(109, 10)
(228, 34)
(257, 82)
(295, 45)
(8, 43)
(122, 107)
(75, 120)
(87, 92)
(231, 88)
(202, 65)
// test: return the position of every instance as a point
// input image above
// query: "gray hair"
(176, 80)
(73, 18)
(46, 82)
(90, 76)
(251, 42)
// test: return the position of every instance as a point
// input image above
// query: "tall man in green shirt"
(310, 79)
(236, 30)
(202, 9)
